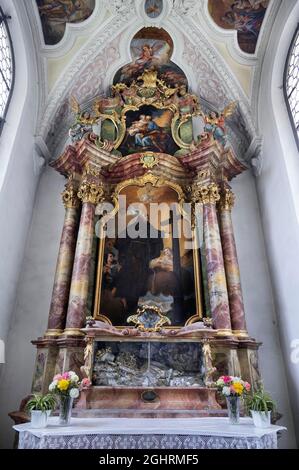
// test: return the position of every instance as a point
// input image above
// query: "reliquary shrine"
(147, 299)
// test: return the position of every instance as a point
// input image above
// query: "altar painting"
(151, 48)
(148, 129)
(55, 14)
(146, 263)
(245, 16)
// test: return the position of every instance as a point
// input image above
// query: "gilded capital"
(227, 199)
(205, 194)
(91, 192)
(69, 196)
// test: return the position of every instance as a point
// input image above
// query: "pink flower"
(85, 383)
(247, 386)
(66, 375)
(226, 379)
(57, 377)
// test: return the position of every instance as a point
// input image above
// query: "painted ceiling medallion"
(54, 15)
(153, 8)
(245, 16)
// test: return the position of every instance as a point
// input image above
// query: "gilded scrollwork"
(149, 318)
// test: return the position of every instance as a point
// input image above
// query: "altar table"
(130, 433)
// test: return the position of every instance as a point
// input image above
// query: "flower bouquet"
(232, 388)
(67, 386)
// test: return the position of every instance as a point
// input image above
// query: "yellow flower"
(63, 385)
(238, 387)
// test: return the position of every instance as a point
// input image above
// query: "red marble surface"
(232, 272)
(80, 278)
(168, 398)
(64, 267)
(215, 269)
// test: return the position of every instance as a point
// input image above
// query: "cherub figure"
(83, 124)
(215, 123)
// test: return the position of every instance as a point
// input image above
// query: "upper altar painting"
(151, 48)
(55, 14)
(246, 16)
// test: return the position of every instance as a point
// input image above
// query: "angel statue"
(83, 124)
(215, 123)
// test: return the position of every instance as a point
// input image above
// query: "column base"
(240, 333)
(73, 332)
(224, 332)
(53, 333)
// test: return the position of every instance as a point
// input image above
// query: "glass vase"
(66, 404)
(233, 409)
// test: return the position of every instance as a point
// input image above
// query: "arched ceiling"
(84, 62)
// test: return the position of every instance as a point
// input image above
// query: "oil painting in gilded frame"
(153, 267)
(149, 129)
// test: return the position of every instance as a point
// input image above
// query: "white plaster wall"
(18, 175)
(278, 192)
(29, 320)
(258, 298)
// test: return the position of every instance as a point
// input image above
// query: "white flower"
(53, 385)
(237, 379)
(74, 393)
(220, 383)
(73, 377)
(226, 391)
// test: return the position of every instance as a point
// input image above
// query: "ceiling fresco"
(55, 14)
(245, 16)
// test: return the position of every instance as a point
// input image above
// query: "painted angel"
(147, 56)
(84, 122)
(215, 123)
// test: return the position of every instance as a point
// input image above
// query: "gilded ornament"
(69, 195)
(205, 194)
(149, 160)
(91, 192)
(149, 318)
(227, 199)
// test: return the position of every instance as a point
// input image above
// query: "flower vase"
(66, 404)
(233, 409)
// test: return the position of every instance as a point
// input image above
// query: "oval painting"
(153, 8)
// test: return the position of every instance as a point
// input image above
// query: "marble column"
(64, 266)
(208, 195)
(90, 192)
(231, 263)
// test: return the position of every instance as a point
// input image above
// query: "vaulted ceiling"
(80, 56)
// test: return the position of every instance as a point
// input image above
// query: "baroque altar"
(147, 298)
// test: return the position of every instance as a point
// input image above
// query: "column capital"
(227, 199)
(91, 191)
(69, 195)
(205, 193)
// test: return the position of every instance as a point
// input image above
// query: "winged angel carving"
(215, 123)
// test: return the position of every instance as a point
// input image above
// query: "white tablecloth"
(129, 433)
